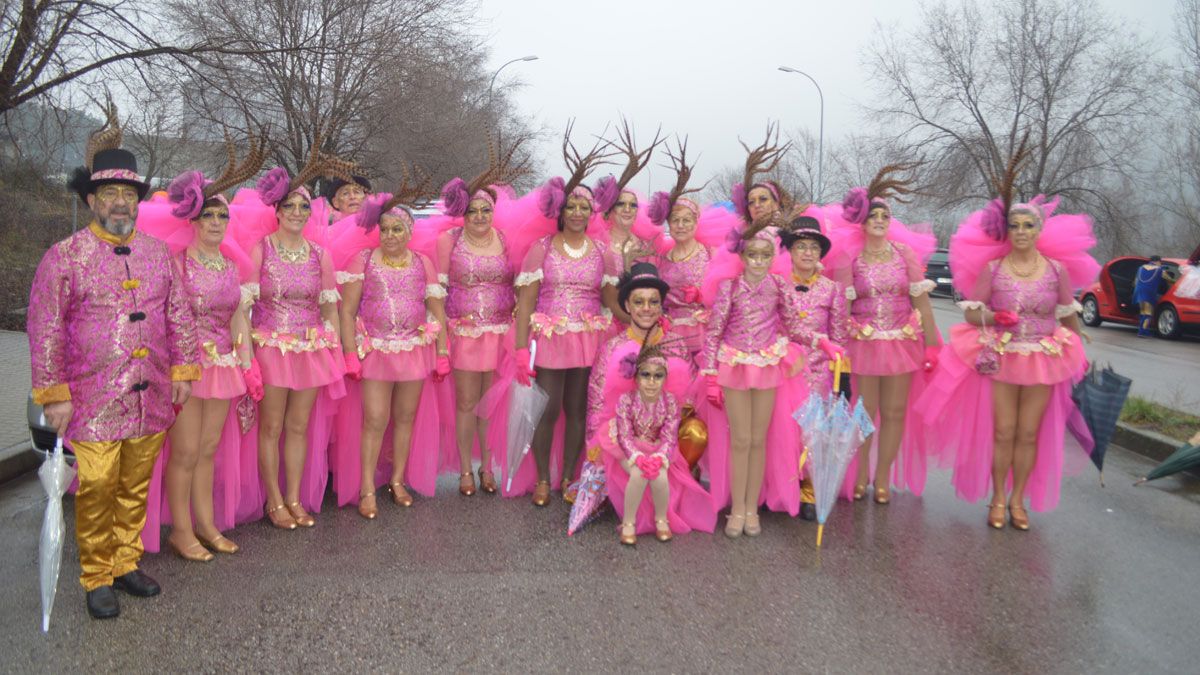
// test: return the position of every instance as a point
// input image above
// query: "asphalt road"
(1107, 583)
(1164, 371)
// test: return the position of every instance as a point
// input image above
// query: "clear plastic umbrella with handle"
(832, 433)
(56, 475)
(525, 407)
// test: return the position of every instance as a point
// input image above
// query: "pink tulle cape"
(847, 239)
(155, 219)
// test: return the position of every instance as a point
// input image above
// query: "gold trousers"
(806, 491)
(110, 505)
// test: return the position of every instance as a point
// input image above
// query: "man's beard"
(120, 229)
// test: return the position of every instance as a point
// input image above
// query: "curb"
(1149, 444)
(18, 460)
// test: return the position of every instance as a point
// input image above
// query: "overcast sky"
(707, 68)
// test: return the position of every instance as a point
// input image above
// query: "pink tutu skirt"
(956, 409)
(415, 364)
(1036, 367)
(886, 357)
(299, 370)
(568, 350)
(689, 506)
(748, 376)
(223, 382)
(477, 354)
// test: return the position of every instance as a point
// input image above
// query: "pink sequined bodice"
(570, 287)
(481, 286)
(680, 275)
(288, 292)
(393, 299)
(750, 318)
(214, 296)
(1034, 301)
(643, 426)
(882, 291)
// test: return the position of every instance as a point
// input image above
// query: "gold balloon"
(693, 437)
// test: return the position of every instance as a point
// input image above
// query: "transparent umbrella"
(525, 407)
(591, 491)
(56, 475)
(832, 431)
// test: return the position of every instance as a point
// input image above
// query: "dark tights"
(568, 392)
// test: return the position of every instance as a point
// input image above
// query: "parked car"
(937, 270)
(1111, 297)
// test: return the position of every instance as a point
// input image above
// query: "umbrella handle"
(532, 352)
(803, 461)
(837, 376)
(820, 533)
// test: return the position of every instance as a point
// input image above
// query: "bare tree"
(1179, 173)
(963, 90)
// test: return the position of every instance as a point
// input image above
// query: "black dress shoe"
(137, 583)
(102, 603)
(808, 511)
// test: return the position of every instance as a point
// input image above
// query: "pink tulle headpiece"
(273, 186)
(455, 198)
(551, 197)
(660, 208)
(606, 194)
(186, 194)
(401, 213)
(856, 206)
(1034, 207)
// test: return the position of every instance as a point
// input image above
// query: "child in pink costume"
(1000, 401)
(392, 304)
(893, 336)
(639, 439)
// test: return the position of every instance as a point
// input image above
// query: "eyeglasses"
(112, 193)
(656, 376)
(809, 248)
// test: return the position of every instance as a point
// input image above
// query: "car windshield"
(939, 257)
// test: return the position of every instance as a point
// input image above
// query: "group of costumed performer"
(753, 320)
(112, 349)
(204, 483)
(893, 339)
(1000, 401)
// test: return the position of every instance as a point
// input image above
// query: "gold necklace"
(691, 252)
(215, 263)
(575, 253)
(477, 244)
(1012, 265)
(293, 256)
(395, 264)
(882, 255)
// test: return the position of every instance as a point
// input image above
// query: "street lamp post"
(820, 132)
(493, 82)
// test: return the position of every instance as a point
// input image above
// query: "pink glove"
(713, 391)
(691, 295)
(931, 357)
(1005, 318)
(252, 376)
(353, 365)
(649, 465)
(442, 369)
(524, 372)
(831, 350)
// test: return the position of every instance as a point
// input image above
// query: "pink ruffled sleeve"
(626, 437)
(358, 264)
(1065, 296)
(432, 288)
(981, 296)
(717, 321)
(445, 246)
(328, 281)
(614, 265)
(181, 330)
(668, 433)
(531, 267)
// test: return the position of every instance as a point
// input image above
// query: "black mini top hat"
(105, 161)
(640, 275)
(334, 184)
(804, 227)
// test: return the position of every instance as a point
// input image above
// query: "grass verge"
(1145, 414)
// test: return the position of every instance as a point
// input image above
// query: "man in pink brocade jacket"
(112, 349)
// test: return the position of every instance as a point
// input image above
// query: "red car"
(1110, 298)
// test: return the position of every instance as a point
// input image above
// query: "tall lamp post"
(493, 82)
(820, 132)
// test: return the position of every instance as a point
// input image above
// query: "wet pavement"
(1110, 582)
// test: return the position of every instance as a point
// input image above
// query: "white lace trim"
(328, 296)
(476, 331)
(851, 294)
(609, 280)
(767, 356)
(348, 277)
(1063, 311)
(250, 294)
(435, 291)
(526, 278)
(444, 279)
(971, 304)
(919, 288)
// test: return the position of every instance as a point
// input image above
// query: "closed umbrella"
(1100, 396)
(525, 407)
(56, 475)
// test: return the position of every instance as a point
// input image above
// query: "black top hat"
(334, 184)
(108, 166)
(804, 227)
(640, 275)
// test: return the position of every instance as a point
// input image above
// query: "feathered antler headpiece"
(190, 190)
(555, 192)
(662, 203)
(995, 216)
(658, 352)
(502, 170)
(107, 137)
(415, 190)
(608, 189)
(887, 184)
(762, 159)
(277, 184)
